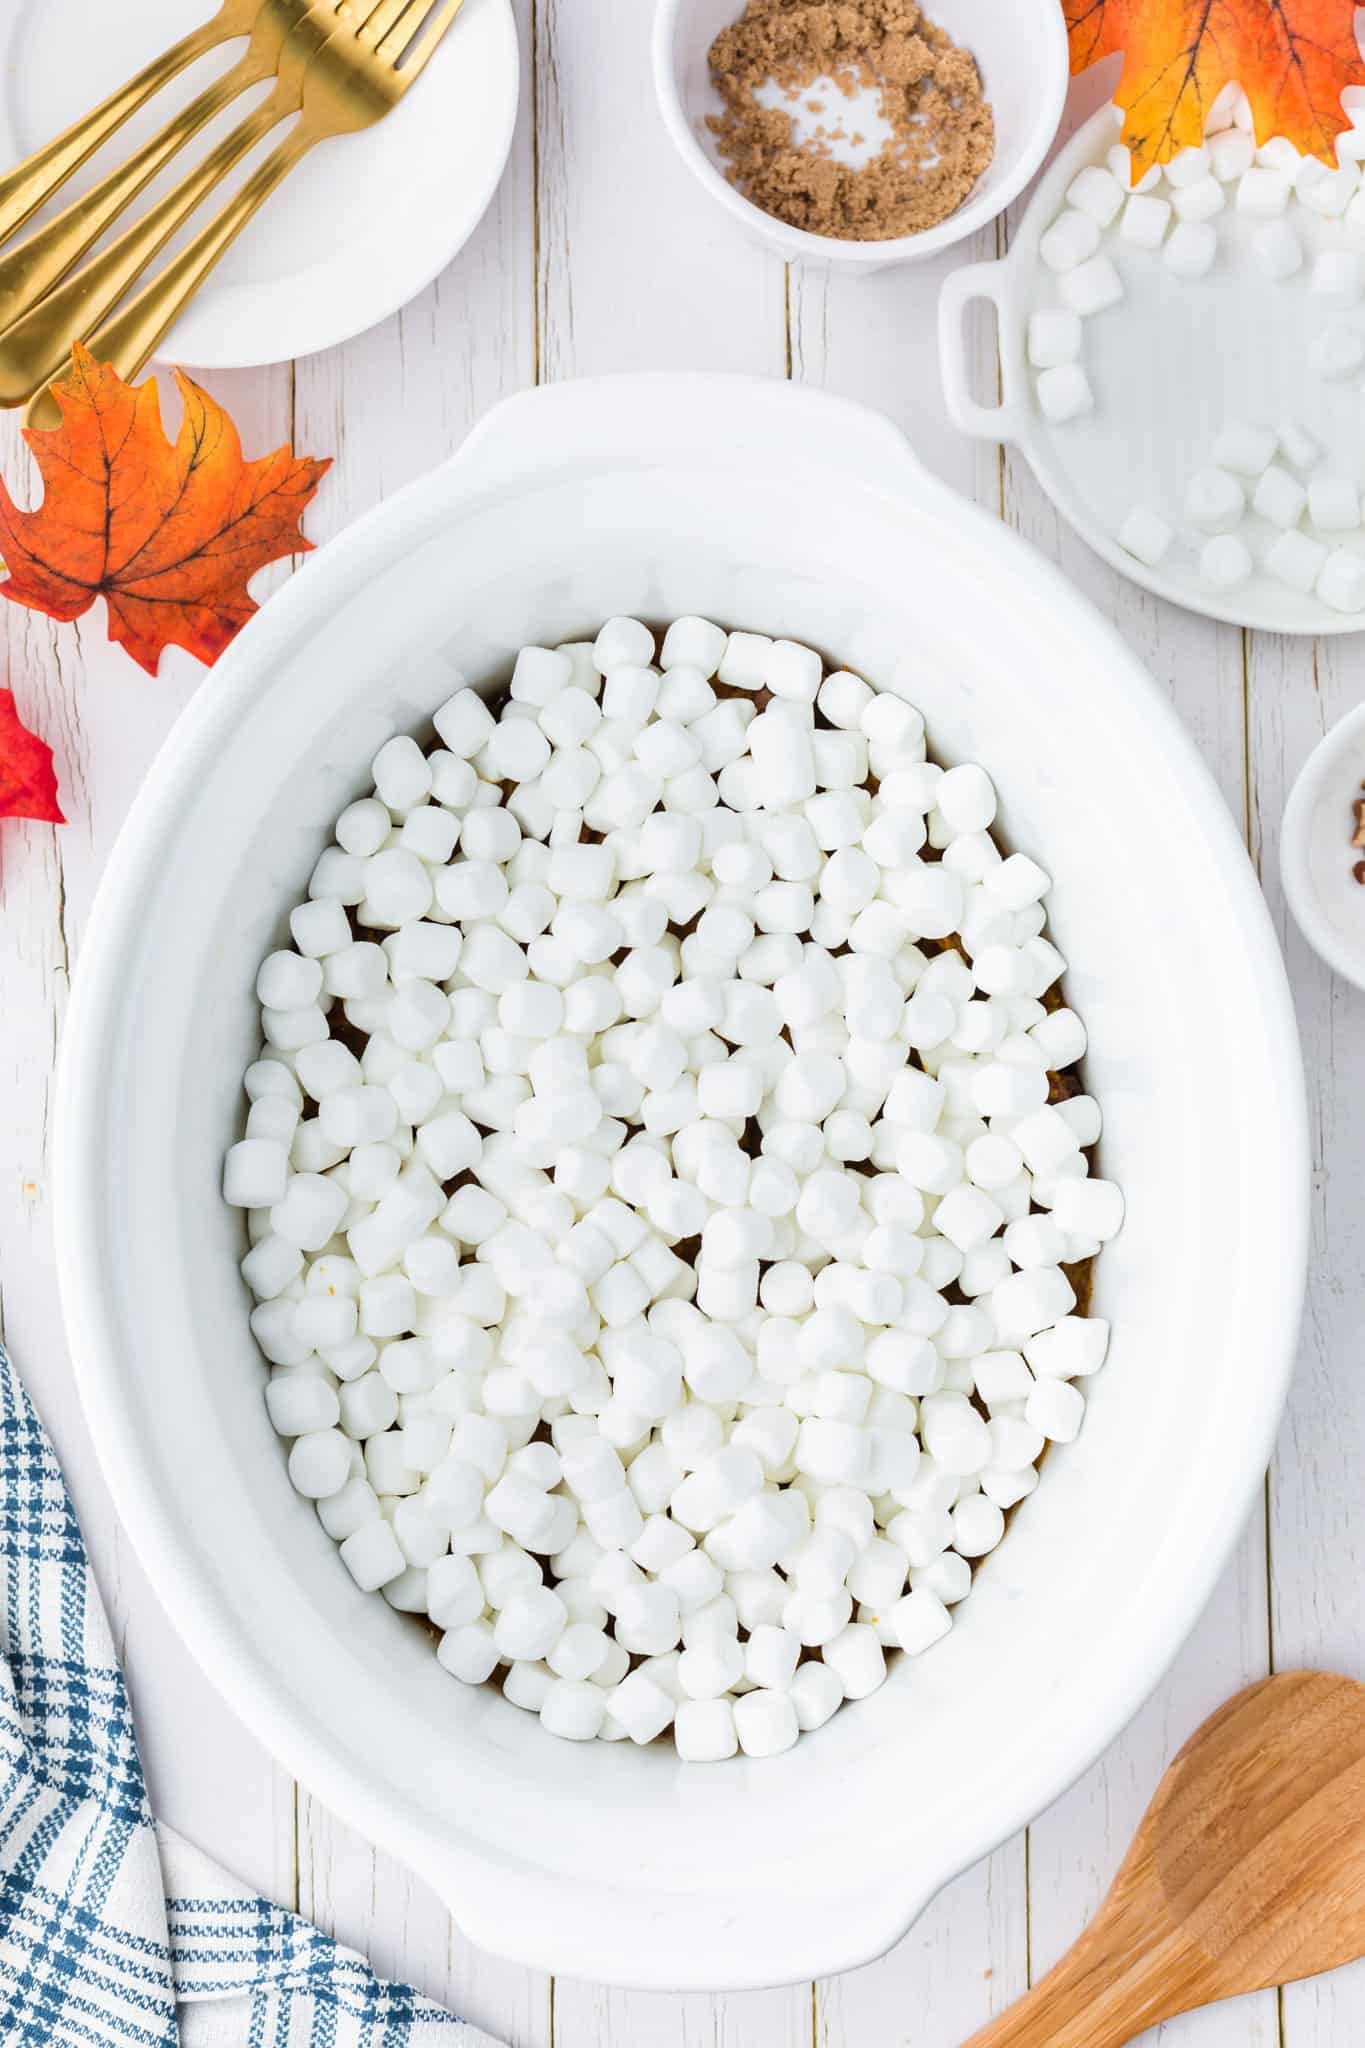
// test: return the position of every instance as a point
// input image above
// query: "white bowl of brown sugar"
(861, 132)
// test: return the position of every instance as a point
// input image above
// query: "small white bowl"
(1020, 49)
(1316, 857)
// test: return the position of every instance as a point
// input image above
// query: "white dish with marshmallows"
(1224, 476)
(793, 515)
(660, 1231)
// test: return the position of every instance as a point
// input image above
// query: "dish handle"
(1003, 422)
(714, 419)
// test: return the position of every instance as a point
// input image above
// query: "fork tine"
(400, 29)
(402, 43)
(377, 19)
(383, 17)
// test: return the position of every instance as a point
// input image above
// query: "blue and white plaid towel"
(115, 1933)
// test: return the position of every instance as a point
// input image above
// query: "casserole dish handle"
(1005, 421)
(752, 425)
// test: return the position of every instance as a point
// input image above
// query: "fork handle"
(30, 270)
(32, 183)
(34, 348)
(131, 337)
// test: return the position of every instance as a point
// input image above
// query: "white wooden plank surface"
(580, 270)
(1295, 691)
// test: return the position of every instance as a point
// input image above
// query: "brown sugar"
(942, 132)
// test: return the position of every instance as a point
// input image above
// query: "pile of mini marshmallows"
(666, 1296)
(1172, 211)
(1251, 473)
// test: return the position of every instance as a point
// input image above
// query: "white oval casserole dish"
(782, 510)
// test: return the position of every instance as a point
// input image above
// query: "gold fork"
(350, 82)
(32, 183)
(34, 346)
(35, 265)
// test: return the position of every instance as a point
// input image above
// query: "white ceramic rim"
(246, 325)
(1005, 283)
(975, 212)
(1296, 836)
(1188, 1558)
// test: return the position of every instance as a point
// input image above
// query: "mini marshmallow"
(1029, 1302)
(1231, 154)
(1096, 192)
(1277, 250)
(1088, 1208)
(855, 1657)
(372, 1556)
(1145, 221)
(285, 981)
(1054, 336)
(1071, 240)
(1296, 560)
(1334, 503)
(1225, 562)
(1336, 351)
(1341, 581)
(1263, 192)
(468, 1653)
(641, 1706)
(765, 1723)
(1057, 1409)
(1298, 445)
(1186, 168)
(1145, 535)
(965, 799)
(1246, 450)
(704, 1730)
(402, 774)
(1200, 200)
(574, 1709)
(320, 1463)
(309, 1211)
(1091, 286)
(1120, 162)
(1214, 500)
(1190, 247)
(918, 1621)
(1338, 276)
(816, 1693)
(255, 1174)
(1279, 497)
(693, 643)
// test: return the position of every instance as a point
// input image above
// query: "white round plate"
(1316, 857)
(360, 228)
(1170, 366)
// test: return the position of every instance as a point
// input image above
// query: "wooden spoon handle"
(1098, 1996)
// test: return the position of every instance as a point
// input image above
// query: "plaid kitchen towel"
(115, 1933)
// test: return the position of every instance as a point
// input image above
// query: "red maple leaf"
(28, 787)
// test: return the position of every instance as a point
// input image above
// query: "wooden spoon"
(1248, 1870)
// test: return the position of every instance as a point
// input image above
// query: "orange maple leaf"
(28, 787)
(168, 536)
(1290, 57)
